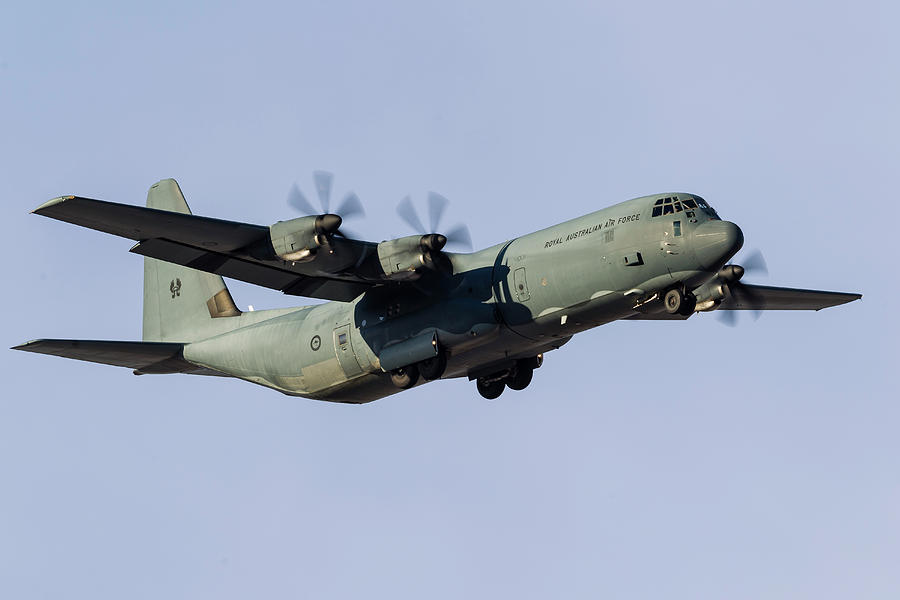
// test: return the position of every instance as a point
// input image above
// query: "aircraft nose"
(715, 242)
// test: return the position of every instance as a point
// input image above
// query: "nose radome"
(715, 242)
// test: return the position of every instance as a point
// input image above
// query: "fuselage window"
(677, 227)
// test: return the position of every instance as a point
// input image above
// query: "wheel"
(534, 362)
(405, 377)
(490, 389)
(433, 368)
(688, 306)
(673, 301)
(521, 378)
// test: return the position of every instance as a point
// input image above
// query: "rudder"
(179, 302)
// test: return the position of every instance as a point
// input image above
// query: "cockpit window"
(674, 204)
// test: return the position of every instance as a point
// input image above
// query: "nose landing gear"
(490, 388)
(517, 377)
(679, 303)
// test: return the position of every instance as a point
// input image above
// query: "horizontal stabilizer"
(143, 357)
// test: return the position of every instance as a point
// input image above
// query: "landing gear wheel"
(673, 301)
(490, 389)
(433, 368)
(688, 306)
(520, 379)
(405, 377)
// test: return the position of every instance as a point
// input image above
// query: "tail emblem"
(175, 287)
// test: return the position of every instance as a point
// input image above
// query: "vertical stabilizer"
(180, 303)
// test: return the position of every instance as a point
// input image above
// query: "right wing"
(237, 250)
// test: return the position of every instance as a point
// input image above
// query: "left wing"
(764, 297)
(237, 250)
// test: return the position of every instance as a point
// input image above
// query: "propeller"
(350, 205)
(755, 263)
(732, 276)
(437, 205)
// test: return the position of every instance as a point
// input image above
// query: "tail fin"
(180, 303)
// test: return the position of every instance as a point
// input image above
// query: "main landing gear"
(516, 378)
(405, 377)
(429, 369)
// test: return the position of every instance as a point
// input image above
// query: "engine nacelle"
(710, 294)
(404, 258)
(299, 239)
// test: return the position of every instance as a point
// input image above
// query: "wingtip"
(23, 346)
(51, 203)
(848, 298)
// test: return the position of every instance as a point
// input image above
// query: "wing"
(763, 297)
(237, 250)
(143, 357)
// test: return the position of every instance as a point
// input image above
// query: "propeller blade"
(407, 212)
(459, 236)
(437, 204)
(347, 233)
(727, 318)
(299, 201)
(351, 206)
(755, 263)
(323, 181)
(747, 296)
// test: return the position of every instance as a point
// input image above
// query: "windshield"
(676, 204)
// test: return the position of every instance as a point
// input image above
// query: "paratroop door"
(343, 347)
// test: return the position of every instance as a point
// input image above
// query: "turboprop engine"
(710, 294)
(727, 282)
(298, 240)
(405, 258)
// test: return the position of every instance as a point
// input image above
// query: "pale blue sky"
(647, 460)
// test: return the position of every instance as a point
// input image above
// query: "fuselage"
(517, 299)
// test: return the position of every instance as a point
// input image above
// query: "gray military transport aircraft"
(406, 311)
